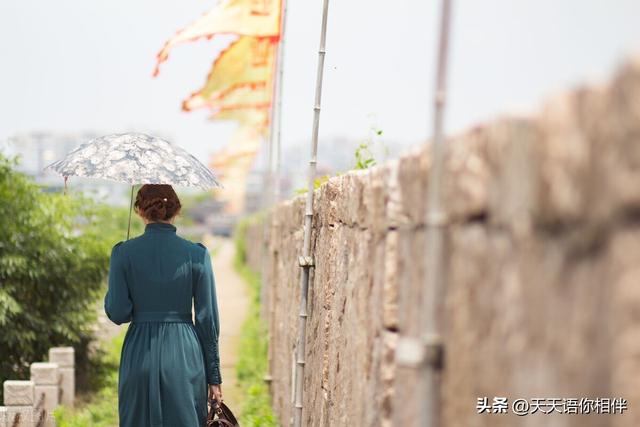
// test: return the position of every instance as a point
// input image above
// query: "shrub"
(54, 253)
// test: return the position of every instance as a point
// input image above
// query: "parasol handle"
(130, 208)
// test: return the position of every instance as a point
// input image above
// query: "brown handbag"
(220, 415)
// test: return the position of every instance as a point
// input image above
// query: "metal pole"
(266, 206)
(435, 221)
(274, 134)
(130, 209)
(275, 105)
(278, 118)
(306, 260)
(267, 194)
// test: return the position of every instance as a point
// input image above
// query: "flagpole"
(279, 85)
(274, 143)
(266, 207)
(306, 260)
(267, 195)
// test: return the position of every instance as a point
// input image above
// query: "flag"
(240, 78)
(239, 86)
(259, 18)
(233, 164)
(256, 118)
(245, 142)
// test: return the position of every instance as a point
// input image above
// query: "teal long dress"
(167, 358)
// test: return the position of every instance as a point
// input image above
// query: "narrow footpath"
(233, 304)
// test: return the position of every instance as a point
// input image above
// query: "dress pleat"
(162, 386)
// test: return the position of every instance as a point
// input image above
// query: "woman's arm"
(117, 301)
(207, 322)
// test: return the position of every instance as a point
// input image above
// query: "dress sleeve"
(117, 301)
(207, 322)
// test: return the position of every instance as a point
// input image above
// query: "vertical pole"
(278, 117)
(266, 208)
(306, 261)
(275, 135)
(274, 113)
(268, 182)
(130, 209)
(432, 296)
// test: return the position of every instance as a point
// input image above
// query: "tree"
(54, 254)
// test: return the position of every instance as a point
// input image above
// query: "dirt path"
(233, 303)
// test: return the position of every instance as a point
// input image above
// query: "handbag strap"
(221, 422)
(216, 408)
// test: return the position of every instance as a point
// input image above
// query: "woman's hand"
(215, 392)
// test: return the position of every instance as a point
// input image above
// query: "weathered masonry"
(31, 403)
(542, 272)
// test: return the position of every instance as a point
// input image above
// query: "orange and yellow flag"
(255, 118)
(240, 77)
(258, 18)
(233, 163)
(244, 144)
(239, 86)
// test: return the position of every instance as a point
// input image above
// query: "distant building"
(334, 156)
(36, 150)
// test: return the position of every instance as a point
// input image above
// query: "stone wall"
(542, 272)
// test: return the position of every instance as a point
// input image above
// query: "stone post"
(18, 400)
(65, 358)
(3, 416)
(46, 378)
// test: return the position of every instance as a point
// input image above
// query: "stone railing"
(31, 403)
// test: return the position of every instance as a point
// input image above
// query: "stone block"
(21, 416)
(374, 199)
(45, 373)
(47, 398)
(391, 263)
(396, 215)
(63, 356)
(18, 393)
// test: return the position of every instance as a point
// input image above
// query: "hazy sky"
(74, 65)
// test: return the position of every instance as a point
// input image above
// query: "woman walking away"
(167, 360)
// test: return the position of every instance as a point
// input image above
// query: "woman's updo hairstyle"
(157, 202)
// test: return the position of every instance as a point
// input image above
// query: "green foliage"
(364, 159)
(101, 410)
(189, 202)
(316, 184)
(54, 254)
(252, 362)
(364, 154)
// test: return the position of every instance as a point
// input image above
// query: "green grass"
(100, 409)
(256, 410)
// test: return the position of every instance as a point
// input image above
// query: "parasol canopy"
(136, 158)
